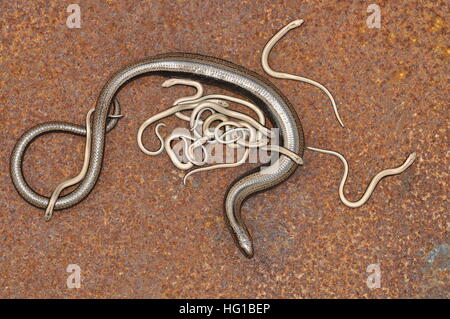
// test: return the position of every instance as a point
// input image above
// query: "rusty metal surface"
(141, 233)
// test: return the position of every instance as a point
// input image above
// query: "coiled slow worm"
(194, 66)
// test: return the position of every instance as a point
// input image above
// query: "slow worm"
(265, 64)
(373, 183)
(226, 74)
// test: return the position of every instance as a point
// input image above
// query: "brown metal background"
(141, 233)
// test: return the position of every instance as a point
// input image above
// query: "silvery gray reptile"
(194, 66)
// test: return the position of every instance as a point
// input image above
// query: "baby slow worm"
(373, 183)
(375, 180)
(220, 72)
(265, 64)
(76, 179)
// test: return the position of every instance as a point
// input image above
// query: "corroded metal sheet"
(141, 233)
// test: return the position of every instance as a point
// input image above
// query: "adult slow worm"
(193, 66)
